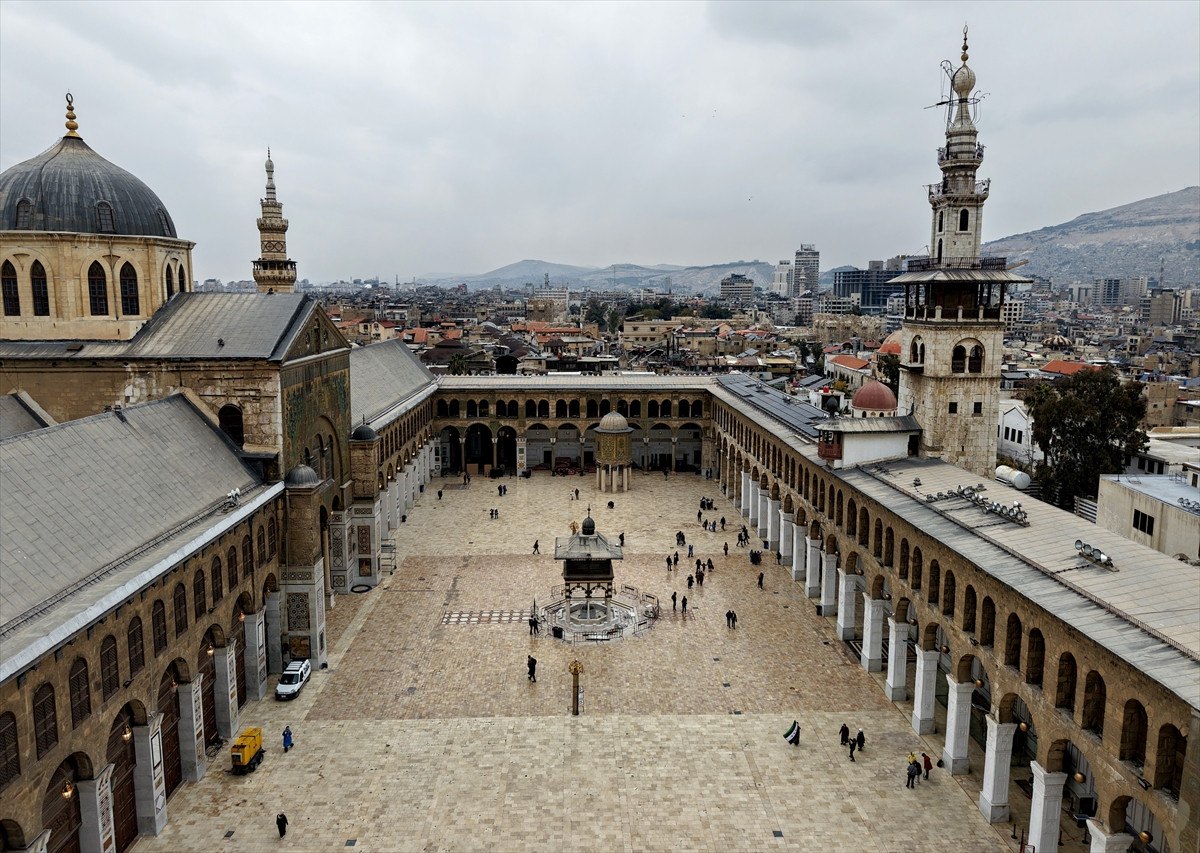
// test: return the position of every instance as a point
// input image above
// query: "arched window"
(260, 540)
(247, 556)
(218, 580)
(889, 545)
(877, 541)
(1133, 733)
(987, 622)
(454, 409)
(964, 219)
(975, 361)
(199, 597)
(10, 754)
(1035, 658)
(948, 595)
(45, 720)
(1068, 676)
(8, 288)
(133, 643)
(1095, 694)
(170, 280)
(958, 361)
(81, 693)
(573, 408)
(110, 673)
(941, 220)
(1012, 641)
(181, 277)
(41, 290)
(903, 559)
(864, 524)
(935, 582)
(158, 627)
(543, 408)
(969, 605)
(918, 565)
(472, 409)
(605, 407)
(530, 409)
(180, 605)
(24, 220)
(443, 410)
(635, 409)
(664, 409)
(560, 409)
(106, 222)
(229, 418)
(593, 409)
(130, 303)
(1169, 760)
(939, 252)
(838, 513)
(685, 409)
(272, 537)
(97, 290)
(231, 567)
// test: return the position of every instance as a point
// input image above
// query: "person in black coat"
(844, 732)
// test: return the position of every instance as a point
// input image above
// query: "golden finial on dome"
(72, 125)
(964, 49)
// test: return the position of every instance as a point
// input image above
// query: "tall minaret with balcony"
(273, 272)
(952, 340)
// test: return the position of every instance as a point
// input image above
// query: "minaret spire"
(71, 124)
(273, 271)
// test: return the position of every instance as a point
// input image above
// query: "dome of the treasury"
(69, 187)
(613, 422)
(874, 396)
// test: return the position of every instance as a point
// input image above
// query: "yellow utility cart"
(247, 751)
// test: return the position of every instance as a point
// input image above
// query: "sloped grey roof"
(91, 504)
(194, 325)
(796, 412)
(896, 423)
(20, 413)
(65, 183)
(383, 378)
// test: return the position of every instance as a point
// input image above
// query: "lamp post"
(575, 667)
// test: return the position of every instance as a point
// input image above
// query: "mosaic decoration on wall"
(297, 611)
(364, 539)
(339, 581)
(337, 546)
(364, 567)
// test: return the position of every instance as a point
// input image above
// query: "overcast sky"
(413, 138)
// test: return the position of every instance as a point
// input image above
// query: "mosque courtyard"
(425, 734)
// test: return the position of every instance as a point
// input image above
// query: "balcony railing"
(959, 263)
(937, 191)
(944, 156)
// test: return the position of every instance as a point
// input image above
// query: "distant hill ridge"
(1120, 242)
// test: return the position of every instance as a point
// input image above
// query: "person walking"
(281, 823)
(684, 602)
(532, 665)
(676, 560)
(928, 762)
(622, 539)
(722, 522)
(439, 494)
(691, 580)
(698, 564)
(577, 494)
(700, 577)
(673, 597)
(760, 580)
(844, 732)
(861, 740)
(726, 549)
(728, 618)
(668, 562)
(853, 746)
(287, 738)
(698, 514)
(535, 547)
(532, 629)
(690, 552)
(733, 613)
(914, 770)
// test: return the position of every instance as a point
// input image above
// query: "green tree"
(458, 364)
(889, 368)
(595, 313)
(713, 311)
(1086, 425)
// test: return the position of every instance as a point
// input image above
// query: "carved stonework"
(364, 539)
(297, 611)
(337, 547)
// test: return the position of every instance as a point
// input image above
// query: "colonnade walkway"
(424, 735)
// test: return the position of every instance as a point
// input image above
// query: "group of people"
(858, 742)
(494, 513)
(915, 768)
(674, 597)
(755, 557)
(730, 619)
(501, 491)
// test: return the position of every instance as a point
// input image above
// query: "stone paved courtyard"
(427, 736)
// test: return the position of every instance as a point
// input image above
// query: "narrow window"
(941, 220)
(975, 362)
(953, 408)
(104, 213)
(130, 304)
(272, 537)
(97, 290)
(199, 598)
(977, 408)
(158, 621)
(8, 285)
(10, 755)
(964, 219)
(81, 694)
(182, 277)
(41, 291)
(218, 580)
(110, 672)
(137, 654)
(260, 540)
(958, 359)
(247, 556)
(45, 720)
(170, 279)
(24, 215)
(231, 560)
(181, 617)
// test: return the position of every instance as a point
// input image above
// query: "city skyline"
(594, 134)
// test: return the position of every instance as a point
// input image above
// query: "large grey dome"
(67, 188)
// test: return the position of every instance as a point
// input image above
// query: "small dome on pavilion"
(363, 432)
(890, 345)
(589, 526)
(613, 422)
(874, 396)
(302, 477)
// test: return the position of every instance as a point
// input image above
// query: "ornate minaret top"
(957, 201)
(273, 272)
(72, 125)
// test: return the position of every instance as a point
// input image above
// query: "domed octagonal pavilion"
(614, 453)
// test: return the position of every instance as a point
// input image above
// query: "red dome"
(874, 396)
(891, 345)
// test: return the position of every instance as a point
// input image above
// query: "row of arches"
(562, 408)
(33, 294)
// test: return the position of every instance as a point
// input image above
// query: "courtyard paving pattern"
(427, 736)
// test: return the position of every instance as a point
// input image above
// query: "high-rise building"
(737, 288)
(872, 286)
(781, 284)
(1161, 307)
(807, 269)
(953, 333)
(273, 272)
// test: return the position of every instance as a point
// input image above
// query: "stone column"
(149, 784)
(96, 829)
(829, 584)
(225, 660)
(896, 685)
(1106, 841)
(1045, 808)
(872, 647)
(922, 715)
(274, 633)
(191, 729)
(958, 726)
(752, 515)
(744, 503)
(847, 590)
(772, 520)
(812, 568)
(799, 552)
(786, 535)
(997, 758)
(255, 631)
(393, 503)
(764, 513)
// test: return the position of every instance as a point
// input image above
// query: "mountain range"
(1129, 240)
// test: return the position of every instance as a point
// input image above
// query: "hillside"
(1120, 242)
(693, 279)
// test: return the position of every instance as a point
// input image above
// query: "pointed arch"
(131, 303)
(97, 290)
